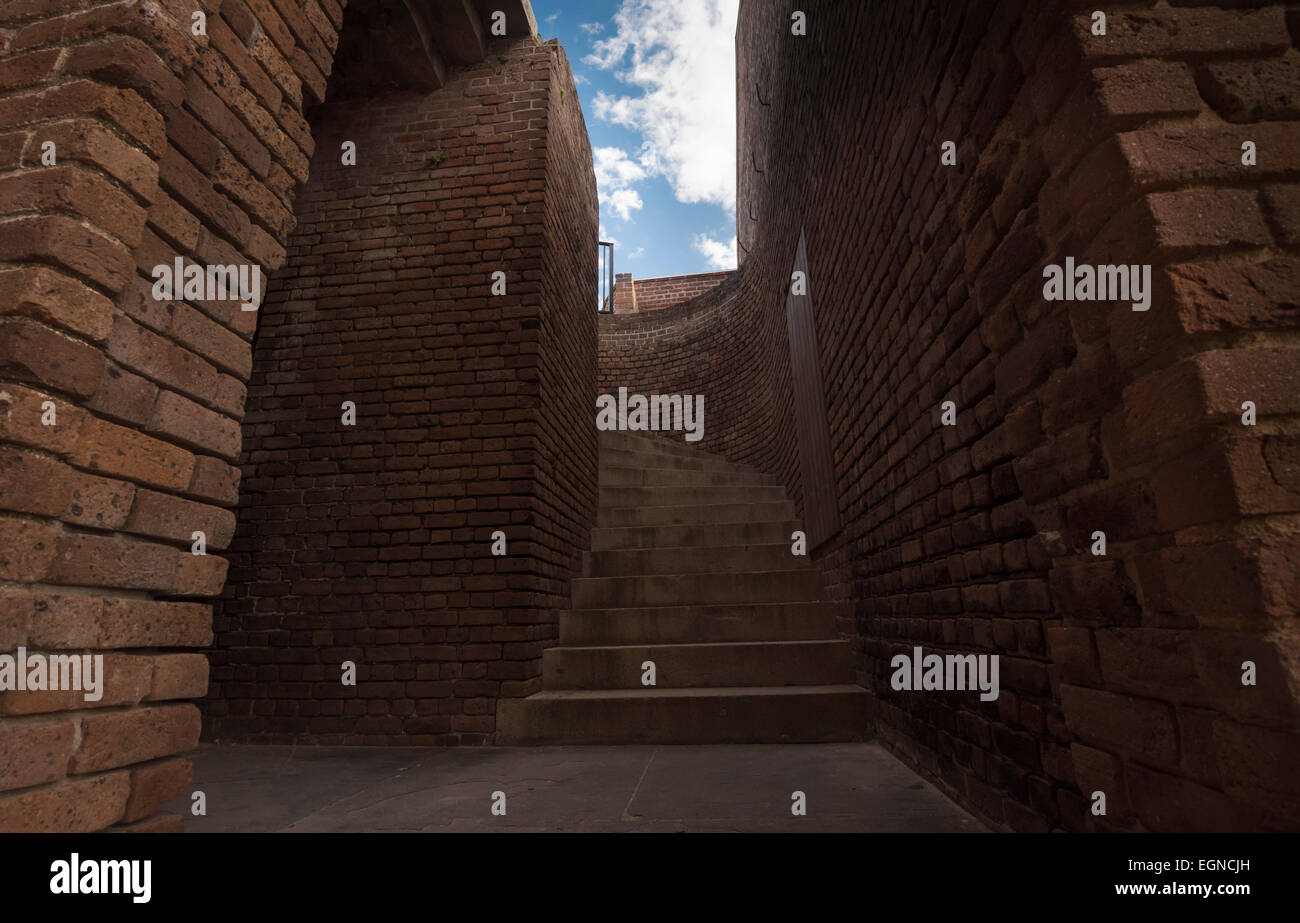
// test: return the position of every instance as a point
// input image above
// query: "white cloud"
(639, 251)
(720, 254)
(616, 173)
(624, 202)
(591, 28)
(680, 55)
(579, 80)
(550, 19)
(614, 169)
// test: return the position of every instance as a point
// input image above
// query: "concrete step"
(694, 513)
(686, 496)
(621, 476)
(696, 589)
(766, 663)
(686, 624)
(712, 534)
(717, 559)
(749, 714)
(665, 442)
(638, 459)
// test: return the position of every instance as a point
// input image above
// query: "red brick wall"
(167, 144)
(171, 144)
(1119, 673)
(716, 345)
(664, 292)
(372, 543)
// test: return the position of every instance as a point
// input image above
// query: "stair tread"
(687, 644)
(697, 574)
(696, 691)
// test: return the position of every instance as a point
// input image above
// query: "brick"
(1048, 347)
(142, 623)
(124, 397)
(34, 754)
(179, 676)
(154, 784)
(123, 61)
(1169, 804)
(1074, 654)
(15, 618)
(71, 806)
(1141, 727)
(87, 141)
(30, 351)
(115, 561)
(27, 549)
(1098, 593)
(67, 244)
(214, 480)
(1266, 90)
(1258, 764)
(121, 738)
(122, 108)
(164, 516)
(1226, 584)
(57, 300)
(121, 452)
(1174, 32)
(191, 424)
(61, 622)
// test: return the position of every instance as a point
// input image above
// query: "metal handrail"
(605, 292)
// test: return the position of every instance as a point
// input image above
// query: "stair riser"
(691, 666)
(698, 624)
(718, 560)
(695, 515)
(695, 589)
(676, 477)
(794, 718)
(712, 535)
(619, 458)
(668, 443)
(687, 496)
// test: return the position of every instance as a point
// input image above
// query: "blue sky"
(657, 83)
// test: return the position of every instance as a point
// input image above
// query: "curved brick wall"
(372, 543)
(664, 292)
(716, 345)
(1121, 673)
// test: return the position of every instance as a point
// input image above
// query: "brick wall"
(166, 144)
(715, 345)
(373, 543)
(171, 144)
(1120, 673)
(666, 291)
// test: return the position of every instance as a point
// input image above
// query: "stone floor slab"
(849, 787)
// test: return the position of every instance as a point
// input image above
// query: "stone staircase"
(691, 568)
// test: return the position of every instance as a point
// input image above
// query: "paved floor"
(851, 787)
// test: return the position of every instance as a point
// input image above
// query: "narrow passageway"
(993, 509)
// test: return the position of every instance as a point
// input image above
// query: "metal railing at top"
(605, 260)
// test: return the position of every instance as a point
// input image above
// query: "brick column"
(624, 293)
